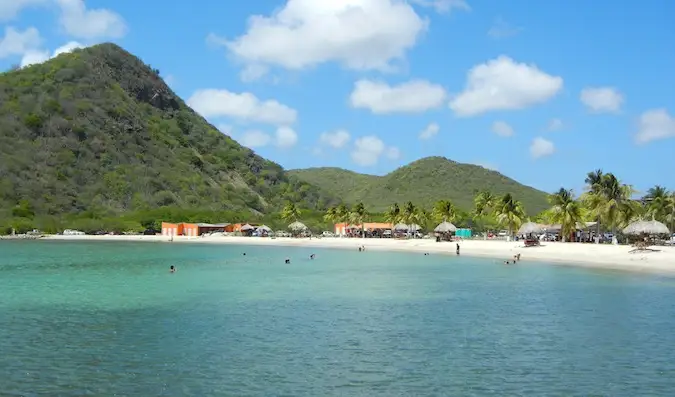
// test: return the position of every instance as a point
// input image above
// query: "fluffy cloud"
(359, 34)
(368, 150)
(16, 42)
(286, 137)
(80, 22)
(502, 128)
(555, 125)
(415, 96)
(602, 99)
(244, 107)
(255, 139)
(10, 8)
(38, 56)
(502, 29)
(541, 147)
(336, 139)
(655, 124)
(429, 132)
(503, 84)
(443, 6)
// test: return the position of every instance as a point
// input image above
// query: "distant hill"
(99, 131)
(423, 182)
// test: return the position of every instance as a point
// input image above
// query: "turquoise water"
(109, 319)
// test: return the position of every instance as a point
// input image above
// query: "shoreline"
(604, 256)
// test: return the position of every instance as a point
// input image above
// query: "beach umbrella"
(415, 227)
(265, 228)
(400, 226)
(246, 228)
(646, 227)
(445, 227)
(297, 226)
(530, 227)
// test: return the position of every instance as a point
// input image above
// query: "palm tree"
(565, 210)
(290, 212)
(393, 215)
(422, 217)
(670, 218)
(330, 215)
(484, 203)
(657, 201)
(408, 213)
(358, 216)
(341, 213)
(594, 185)
(510, 212)
(444, 210)
(610, 201)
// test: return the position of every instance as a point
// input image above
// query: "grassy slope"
(98, 130)
(423, 182)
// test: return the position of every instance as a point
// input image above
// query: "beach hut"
(265, 228)
(401, 227)
(445, 227)
(531, 228)
(646, 227)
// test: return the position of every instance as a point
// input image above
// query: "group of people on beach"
(516, 258)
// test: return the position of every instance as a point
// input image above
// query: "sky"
(542, 92)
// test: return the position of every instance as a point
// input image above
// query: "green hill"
(97, 131)
(423, 182)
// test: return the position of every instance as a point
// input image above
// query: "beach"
(660, 260)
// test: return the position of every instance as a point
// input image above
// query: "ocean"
(108, 318)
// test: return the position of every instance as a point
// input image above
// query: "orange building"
(191, 229)
(341, 228)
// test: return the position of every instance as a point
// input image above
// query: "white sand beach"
(618, 257)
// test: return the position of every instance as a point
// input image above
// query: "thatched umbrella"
(297, 226)
(445, 227)
(246, 228)
(265, 228)
(530, 227)
(415, 227)
(646, 227)
(401, 226)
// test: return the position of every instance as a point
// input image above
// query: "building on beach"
(342, 229)
(191, 229)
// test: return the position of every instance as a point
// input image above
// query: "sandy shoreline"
(584, 255)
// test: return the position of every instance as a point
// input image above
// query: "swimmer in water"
(518, 257)
(457, 248)
(244, 254)
(506, 262)
(172, 269)
(287, 261)
(311, 256)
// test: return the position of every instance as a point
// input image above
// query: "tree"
(290, 213)
(657, 201)
(330, 215)
(484, 203)
(510, 212)
(408, 213)
(565, 210)
(444, 210)
(358, 216)
(393, 215)
(341, 213)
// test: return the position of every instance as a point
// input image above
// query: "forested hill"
(423, 182)
(98, 131)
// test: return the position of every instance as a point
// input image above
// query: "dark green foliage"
(97, 131)
(423, 182)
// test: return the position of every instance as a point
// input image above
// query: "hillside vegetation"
(423, 182)
(97, 133)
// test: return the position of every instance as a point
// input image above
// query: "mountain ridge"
(423, 181)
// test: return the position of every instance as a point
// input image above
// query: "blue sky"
(540, 91)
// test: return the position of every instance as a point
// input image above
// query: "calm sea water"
(109, 319)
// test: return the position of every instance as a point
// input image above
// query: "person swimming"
(507, 262)
(287, 261)
(311, 256)
(518, 256)
(172, 269)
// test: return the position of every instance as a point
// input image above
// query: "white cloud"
(255, 139)
(443, 6)
(602, 99)
(393, 153)
(655, 124)
(430, 131)
(336, 139)
(541, 147)
(244, 107)
(359, 34)
(39, 56)
(503, 84)
(286, 137)
(78, 21)
(502, 29)
(368, 150)
(415, 96)
(555, 125)
(502, 128)
(16, 42)
(10, 8)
